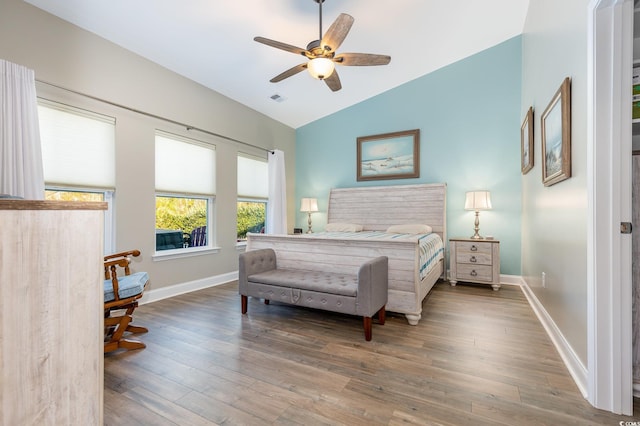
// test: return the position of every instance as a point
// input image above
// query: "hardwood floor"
(477, 357)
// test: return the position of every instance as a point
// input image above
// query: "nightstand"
(476, 261)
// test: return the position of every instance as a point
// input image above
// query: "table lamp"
(477, 200)
(309, 205)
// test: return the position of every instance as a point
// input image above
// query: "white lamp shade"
(309, 205)
(478, 200)
(320, 68)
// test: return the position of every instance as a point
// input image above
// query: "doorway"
(609, 316)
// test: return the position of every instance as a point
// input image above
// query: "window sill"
(241, 245)
(160, 256)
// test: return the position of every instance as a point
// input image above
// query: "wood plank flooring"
(477, 357)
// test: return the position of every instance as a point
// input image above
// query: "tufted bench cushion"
(324, 282)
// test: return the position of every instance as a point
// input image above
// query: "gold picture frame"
(389, 156)
(526, 142)
(556, 136)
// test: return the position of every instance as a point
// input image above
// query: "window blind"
(184, 165)
(253, 177)
(78, 146)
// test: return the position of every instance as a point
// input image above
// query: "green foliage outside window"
(251, 218)
(184, 214)
(63, 195)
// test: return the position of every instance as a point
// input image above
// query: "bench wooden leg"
(382, 315)
(244, 303)
(367, 329)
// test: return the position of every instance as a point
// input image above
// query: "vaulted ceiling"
(211, 42)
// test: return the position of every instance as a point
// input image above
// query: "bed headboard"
(378, 207)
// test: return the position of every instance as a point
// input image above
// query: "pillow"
(343, 227)
(409, 228)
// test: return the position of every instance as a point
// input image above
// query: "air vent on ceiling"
(277, 98)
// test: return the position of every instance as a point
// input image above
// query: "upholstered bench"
(363, 294)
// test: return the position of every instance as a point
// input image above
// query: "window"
(78, 155)
(185, 191)
(253, 194)
(83, 194)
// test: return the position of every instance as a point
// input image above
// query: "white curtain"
(277, 206)
(21, 170)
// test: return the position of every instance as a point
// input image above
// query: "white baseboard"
(577, 370)
(504, 279)
(510, 279)
(154, 295)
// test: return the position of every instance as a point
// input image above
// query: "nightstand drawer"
(474, 258)
(474, 247)
(466, 272)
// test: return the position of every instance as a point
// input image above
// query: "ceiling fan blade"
(333, 81)
(280, 45)
(337, 32)
(288, 73)
(361, 59)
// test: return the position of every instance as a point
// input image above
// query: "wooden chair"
(121, 294)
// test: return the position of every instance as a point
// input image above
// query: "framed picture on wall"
(526, 142)
(556, 136)
(389, 156)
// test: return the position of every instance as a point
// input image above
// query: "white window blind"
(253, 177)
(78, 146)
(184, 165)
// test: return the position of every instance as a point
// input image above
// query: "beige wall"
(554, 223)
(70, 57)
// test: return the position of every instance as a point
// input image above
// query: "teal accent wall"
(468, 114)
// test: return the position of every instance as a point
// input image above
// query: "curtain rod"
(168, 120)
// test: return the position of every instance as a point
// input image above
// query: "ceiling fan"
(322, 53)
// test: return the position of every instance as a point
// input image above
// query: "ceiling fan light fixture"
(321, 53)
(320, 68)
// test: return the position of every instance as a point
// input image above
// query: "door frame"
(609, 330)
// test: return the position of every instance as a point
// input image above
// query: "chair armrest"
(254, 262)
(121, 259)
(134, 253)
(122, 262)
(373, 286)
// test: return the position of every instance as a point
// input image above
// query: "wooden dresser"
(51, 298)
(476, 261)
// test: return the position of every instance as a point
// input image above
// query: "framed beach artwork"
(526, 142)
(389, 156)
(556, 136)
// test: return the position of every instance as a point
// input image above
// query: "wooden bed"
(375, 208)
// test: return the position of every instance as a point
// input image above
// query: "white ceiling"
(211, 42)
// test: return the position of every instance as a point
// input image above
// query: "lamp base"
(309, 230)
(476, 235)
